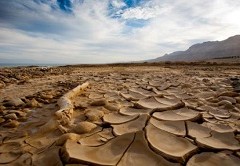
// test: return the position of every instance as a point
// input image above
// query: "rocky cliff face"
(205, 51)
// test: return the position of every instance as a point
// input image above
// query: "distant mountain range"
(205, 51)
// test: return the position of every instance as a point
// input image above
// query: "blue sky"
(105, 31)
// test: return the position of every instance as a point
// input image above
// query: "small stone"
(238, 154)
(18, 113)
(103, 139)
(2, 120)
(237, 99)
(27, 110)
(100, 102)
(68, 136)
(47, 96)
(94, 115)
(2, 107)
(2, 84)
(206, 80)
(16, 102)
(11, 124)
(12, 116)
(33, 103)
(112, 107)
(84, 127)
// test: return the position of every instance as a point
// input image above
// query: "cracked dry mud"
(183, 115)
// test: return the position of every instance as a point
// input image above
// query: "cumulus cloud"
(93, 31)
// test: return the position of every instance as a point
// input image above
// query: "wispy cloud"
(93, 31)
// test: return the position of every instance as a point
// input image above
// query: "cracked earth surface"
(183, 115)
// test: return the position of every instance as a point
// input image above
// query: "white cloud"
(91, 35)
(185, 22)
(118, 3)
(144, 13)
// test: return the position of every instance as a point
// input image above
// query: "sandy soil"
(120, 115)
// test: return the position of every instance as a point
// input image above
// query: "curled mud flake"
(116, 118)
(209, 139)
(131, 95)
(230, 99)
(160, 103)
(131, 126)
(10, 152)
(174, 127)
(177, 115)
(25, 159)
(140, 154)
(229, 94)
(221, 128)
(134, 111)
(97, 139)
(170, 146)
(220, 113)
(213, 159)
(107, 154)
(8, 157)
(52, 157)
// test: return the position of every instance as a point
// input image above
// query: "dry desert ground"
(120, 115)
